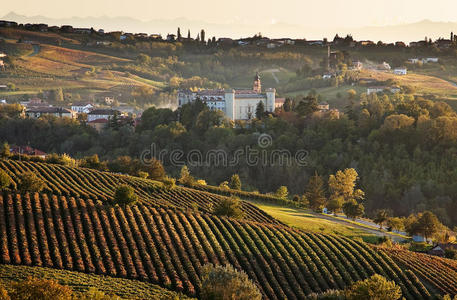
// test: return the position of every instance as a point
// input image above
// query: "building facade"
(237, 104)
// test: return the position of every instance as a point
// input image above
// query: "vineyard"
(81, 282)
(441, 273)
(87, 183)
(169, 247)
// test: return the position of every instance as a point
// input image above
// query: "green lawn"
(307, 220)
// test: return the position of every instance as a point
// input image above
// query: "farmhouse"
(381, 89)
(98, 124)
(440, 249)
(400, 71)
(237, 104)
(59, 112)
(27, 150)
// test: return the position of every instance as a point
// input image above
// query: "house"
(171, 37)
(35, 102)
(82, 107)
(279, 102)
(27, 150)
(382, 89)
(66, 28)
(384, 66)
(3, 87)
(327, 76)
(323, 106)
(109, 100)
(400, 71)
(83, 30)
(102, 114)
(357, 65)
(400, 44)
(98, 124)
(430, 59)
(59, 112)
(440, 249)
(413, 60)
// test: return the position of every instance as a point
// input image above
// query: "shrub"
(142, 174)
(450, 253)
(4, 294)
(282, 192)
(5, 180)
(226, 283)
(41, 289)
(169, 182)
(94, 294)
(230, 207)
(376, 287)
(29, 182)
(235, 182)
(125, 195)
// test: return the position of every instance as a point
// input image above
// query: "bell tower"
(257, 85)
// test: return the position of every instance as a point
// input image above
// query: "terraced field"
(80, 282)
(169, 247)
(88, 183)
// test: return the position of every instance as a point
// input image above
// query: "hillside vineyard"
(85, 183)
(170, 247)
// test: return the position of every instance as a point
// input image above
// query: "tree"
(29, 182)
(185, 177)
(5, 180)
(188, 33)
(352, 209)
(34, 288)
(315, 193)
(335, 204)
(381, 217)
(351, 94)
(428, 224)
(260, 110)
(230, 207)
(235, 182)
(342, 185)
(396, 224)
(202, 36)
(57, 95)
(287, 106)
(224, 185)
(282, 192)
(179, 37)
(125, 195)
(376, 287)
(5, 151)
(227, 283)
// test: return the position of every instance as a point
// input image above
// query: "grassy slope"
(81, 282)
(310, 221)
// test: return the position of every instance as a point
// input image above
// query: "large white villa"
(236, 104)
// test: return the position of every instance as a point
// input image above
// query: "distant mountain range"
(402, 32)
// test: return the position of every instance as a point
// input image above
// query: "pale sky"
(321, 13)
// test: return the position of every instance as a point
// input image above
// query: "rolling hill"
(72, 227)
(88, 183)
(169, 248)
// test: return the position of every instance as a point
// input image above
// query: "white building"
(236, 104)
(400, 71)
(84, 107)
(381, 89)
(106, 114)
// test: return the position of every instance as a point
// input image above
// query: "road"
(36, 50)
(374, 231)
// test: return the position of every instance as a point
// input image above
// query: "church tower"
(257, 85)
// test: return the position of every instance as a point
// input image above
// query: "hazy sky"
(321, 13)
